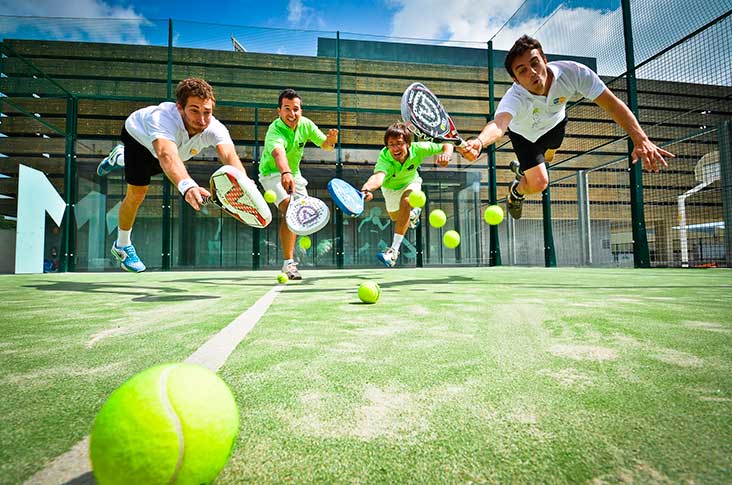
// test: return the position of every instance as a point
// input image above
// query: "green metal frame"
(550, 256)
(641, 256)
(494, 255)
(71, 188)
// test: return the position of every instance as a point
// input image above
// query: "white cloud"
(459, 20)
(110, 23)
(575, 30)
(301, 16)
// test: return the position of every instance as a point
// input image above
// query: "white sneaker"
(388, 257)
(414, 217)
(291, 271)
(115, 160)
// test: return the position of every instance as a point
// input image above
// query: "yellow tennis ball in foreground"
(173, 423)
(438, 218)
(451, 239)
(270, 196)
(282, 278)
(305, 242)
(369, 292)
(417, 198)
(493, 215)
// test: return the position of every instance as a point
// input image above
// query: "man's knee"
(135, 194)
(537, 181)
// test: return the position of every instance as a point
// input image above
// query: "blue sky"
(590, 28)
(466, 20)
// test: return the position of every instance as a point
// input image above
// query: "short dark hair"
(193, 87)
(288, 94)
(395, 130)
(522, 44)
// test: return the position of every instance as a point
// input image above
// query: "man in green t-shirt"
(279, 168)
(396, 173)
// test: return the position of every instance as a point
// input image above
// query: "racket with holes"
(306, 215)
(237, 195)
(346, 197)
(425, 116)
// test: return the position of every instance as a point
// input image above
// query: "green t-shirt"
(399, 175)
(292, 141)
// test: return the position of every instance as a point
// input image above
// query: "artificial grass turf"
(455, 375)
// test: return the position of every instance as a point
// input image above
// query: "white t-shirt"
(534, 115)
(164, 121)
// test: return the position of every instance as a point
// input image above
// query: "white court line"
(74, 467)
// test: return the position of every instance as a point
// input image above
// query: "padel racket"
(306, 215)
(425, 116)
(346, 197)
(237, 195)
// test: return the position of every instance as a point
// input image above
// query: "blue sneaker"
(128, 259)
(388, 257)
(114, 161)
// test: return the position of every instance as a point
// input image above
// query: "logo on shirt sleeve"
(301, 144)
(194, 151)
(559, 100)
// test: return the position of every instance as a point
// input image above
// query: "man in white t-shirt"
(158, 139)
(532, 112)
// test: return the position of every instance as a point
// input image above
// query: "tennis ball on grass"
(451, 239)
(282, 278)
(173, 423)
(438, 218)
(493, 215)
(417, 198)
(369, 292)
(270, 196)
(305, 242)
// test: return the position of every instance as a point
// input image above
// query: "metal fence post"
(641, 255)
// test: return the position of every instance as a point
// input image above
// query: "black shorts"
(531, 154)
(140, 164)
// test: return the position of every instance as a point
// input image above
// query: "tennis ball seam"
(165, 399)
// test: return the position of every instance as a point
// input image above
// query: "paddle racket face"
(306, 215)
(346, 197)
(238, 196)
(425, 116)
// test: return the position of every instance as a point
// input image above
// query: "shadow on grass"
(85, 479)
(308, 285)
(148, 292)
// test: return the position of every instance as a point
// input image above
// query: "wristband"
(185, 185)
(285, 173)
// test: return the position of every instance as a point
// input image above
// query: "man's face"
(398, 148)
(290, 112)
(196, 114)
(530, 71)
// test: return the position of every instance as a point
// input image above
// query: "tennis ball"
(451, 239)
(282, 278)
(369, 292)
(270, 196)
(417, 198)
(438, 218)
(173, 423)
(493, 215)
(305, 242)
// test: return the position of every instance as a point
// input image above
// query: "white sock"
(123, 238)
(286, 262)
(398, 238)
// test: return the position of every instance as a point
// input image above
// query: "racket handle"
(211, 200)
